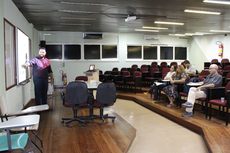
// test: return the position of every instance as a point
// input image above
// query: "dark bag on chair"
(187, 87)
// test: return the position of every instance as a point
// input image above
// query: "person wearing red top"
(41, 71)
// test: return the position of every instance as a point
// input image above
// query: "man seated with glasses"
(212, 80)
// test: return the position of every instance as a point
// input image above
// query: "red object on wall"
(220, 50)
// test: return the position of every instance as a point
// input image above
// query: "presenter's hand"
(25, 65)
(52, 82)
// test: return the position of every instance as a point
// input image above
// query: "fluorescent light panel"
(176, 35)
(219, 31)
(146, 27)
(73, 11)
(202, 12)
(75, 24)
(70, 18)
(94, 4)
(217, 2)
(173, 23)
(146, 30)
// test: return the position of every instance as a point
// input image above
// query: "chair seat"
(96, 104)
(201, 99)
(183, 94)
(72, 105)
(18, 141)
(218, 102)
(149, 78)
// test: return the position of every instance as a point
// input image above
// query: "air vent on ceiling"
(92, 35)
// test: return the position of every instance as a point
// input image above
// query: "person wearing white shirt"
(189, 68)
(155, 87)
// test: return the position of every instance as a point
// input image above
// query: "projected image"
(22, 55)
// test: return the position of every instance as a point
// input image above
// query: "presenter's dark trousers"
(40, 89)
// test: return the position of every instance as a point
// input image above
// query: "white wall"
(76, 68)
(17, 96)
(205, 48)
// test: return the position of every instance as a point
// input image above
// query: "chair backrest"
(145, 69)
(227, 68)
(182, 64)
(204, 73)
(163, 65)
(107, 72)
(227, 77)
(153, 64)
(123, 69)
(227, 88)
(201, 78)
(100, 72)
(125, 73)
(153, 70)
(173, 63)
(214, 61)
(76, 92)
(115, 69)
(224, 60)
(144, 66)
(83, 78)
(3, 106)
(135, 74)
(134, 66)
(106, 93)
(219, 72)
(165, 71)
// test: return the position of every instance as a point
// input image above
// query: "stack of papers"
(158, 83)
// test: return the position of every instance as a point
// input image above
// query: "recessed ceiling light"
(204, 33)
(75, 24)
(176, 35)
(146, 30)
(94, 4)
(73, 11)
(202, 12)
(70, 18)
(173, 23)
(192, 34)
(219, 31)
(217, 2)
(146, 27)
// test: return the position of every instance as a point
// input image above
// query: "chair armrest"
(215, 93)
(145, 74)
(63, 98)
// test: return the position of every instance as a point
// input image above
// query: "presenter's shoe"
(187, 114)
(187, 105)
(170, 105)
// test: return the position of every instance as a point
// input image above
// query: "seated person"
(212, 80)
(171, 90)
(155, 87)
(189, 68)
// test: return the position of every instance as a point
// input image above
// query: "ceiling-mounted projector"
(130, 18)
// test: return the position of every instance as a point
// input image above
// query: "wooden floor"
(111, 137)
(216, 135)
(118, 136)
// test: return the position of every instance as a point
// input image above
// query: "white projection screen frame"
(23, 55)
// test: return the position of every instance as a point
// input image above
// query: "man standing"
(212, 80)
(41, 71)
(189, 68)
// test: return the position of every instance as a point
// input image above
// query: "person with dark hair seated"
(155, 87)
(189, 68)
(212, 80)
(171, 90)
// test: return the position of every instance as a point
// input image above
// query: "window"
(109, 51)
(72, 52)
(9, 50)
(180, 53)
(150, 52)
(54, 51)
(91, 51)
(166, 53)
(134, 52)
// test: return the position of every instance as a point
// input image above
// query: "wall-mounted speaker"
(42, 43)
